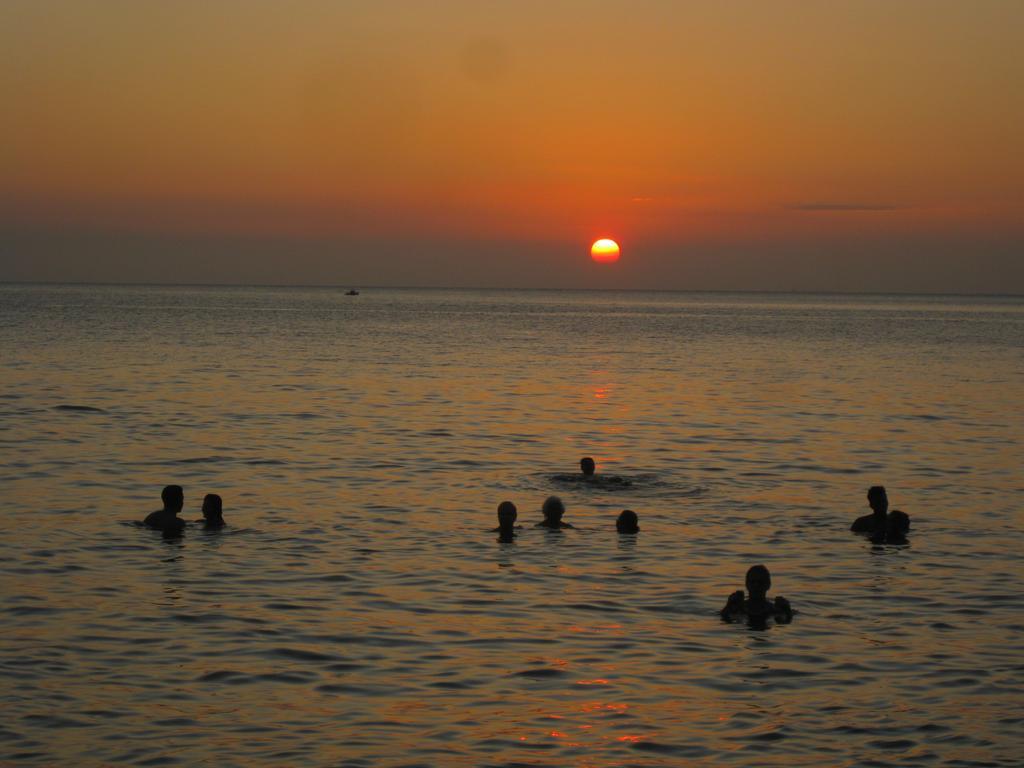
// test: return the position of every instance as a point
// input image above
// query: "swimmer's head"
(553, 509)
(173, 497)
(587, 466)
(759, 581)
(898, 523)
(627, 522)
(507, 514)
(877, 499)
(213, 507)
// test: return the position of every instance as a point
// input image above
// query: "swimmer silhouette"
(553, 510)
(757, 608)
(897, 524)
(588, 476)
(589, 469)
(507, 514)
(213, 512)
(627, 522)
(875, 522)
(167, 519)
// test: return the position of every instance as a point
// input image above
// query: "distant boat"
(352, 292)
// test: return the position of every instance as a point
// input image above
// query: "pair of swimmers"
(553, 510)
(882, 526)
(173, 497)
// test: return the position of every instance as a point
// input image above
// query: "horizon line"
(349, 286)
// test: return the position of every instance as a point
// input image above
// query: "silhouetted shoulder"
(865, 524)
(897, 525)
(738, 609)
(162, 521)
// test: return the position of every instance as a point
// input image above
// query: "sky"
(862, 145)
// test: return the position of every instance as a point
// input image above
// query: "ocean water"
(358, 610)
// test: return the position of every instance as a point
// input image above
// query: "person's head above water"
(759, 581)
(627, 522)
(897, 524)
(878, 500)
(213, 508)
(587, 466)
(173, 497)
(507, 514)
(553, 510)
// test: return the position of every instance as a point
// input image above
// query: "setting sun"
(605, 251)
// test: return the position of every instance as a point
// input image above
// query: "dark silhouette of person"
(897, 525)
(876, 521)
(589, 469)
(166, 519)
(589, 477)
(213, 512)
(627, 522)
(755, 606)
(507, 514)
(553, 510)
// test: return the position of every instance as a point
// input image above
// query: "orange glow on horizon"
(605, 251)
(352, 130)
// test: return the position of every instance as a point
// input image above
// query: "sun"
(605, 251)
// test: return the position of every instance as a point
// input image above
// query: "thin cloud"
(843, 207)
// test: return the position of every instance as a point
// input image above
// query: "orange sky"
(489, 129)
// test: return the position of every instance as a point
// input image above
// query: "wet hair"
(216, 503)
(172, 494)
(587, 465)
(877, 492)
(627, 522)
(759, 572)
(507, 510)
(553, 507)
(898, 522)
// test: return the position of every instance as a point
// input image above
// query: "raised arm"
(733, 605)
(783, 610)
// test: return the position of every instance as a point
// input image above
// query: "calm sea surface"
(358, 610)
